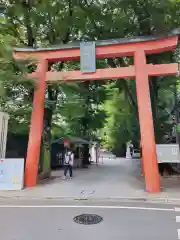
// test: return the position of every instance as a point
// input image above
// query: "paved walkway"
(113, 178)
(116, 179)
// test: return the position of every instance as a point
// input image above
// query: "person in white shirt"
(68, 163)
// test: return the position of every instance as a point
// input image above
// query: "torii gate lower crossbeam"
(141, 71)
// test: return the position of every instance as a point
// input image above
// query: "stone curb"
(162, 200)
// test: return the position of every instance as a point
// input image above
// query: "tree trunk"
(123, 83)
(85, 118)
(45, 158)
(27, 20)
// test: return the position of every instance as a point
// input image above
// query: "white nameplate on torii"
(88, 57)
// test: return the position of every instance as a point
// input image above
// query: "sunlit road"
(35, 220)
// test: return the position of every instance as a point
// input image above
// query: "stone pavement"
(115, 179)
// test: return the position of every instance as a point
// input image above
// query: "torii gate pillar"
(36, 127)
(149, 158)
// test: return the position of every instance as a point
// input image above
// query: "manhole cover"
(88, 219)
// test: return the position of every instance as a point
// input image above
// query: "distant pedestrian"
(131, 148)
(89, 157)
(140, 147)
(68, 163)
(142, 163)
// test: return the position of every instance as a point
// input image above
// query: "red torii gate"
(138, 48)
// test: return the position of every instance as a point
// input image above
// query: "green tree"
(44, 23)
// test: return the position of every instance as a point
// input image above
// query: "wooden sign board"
(11, 174)
(168, 153)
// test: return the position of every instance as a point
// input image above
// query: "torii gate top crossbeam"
(104, 49)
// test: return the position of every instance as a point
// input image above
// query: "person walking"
(68, 163)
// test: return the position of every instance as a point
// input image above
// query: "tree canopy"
(92, 110)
